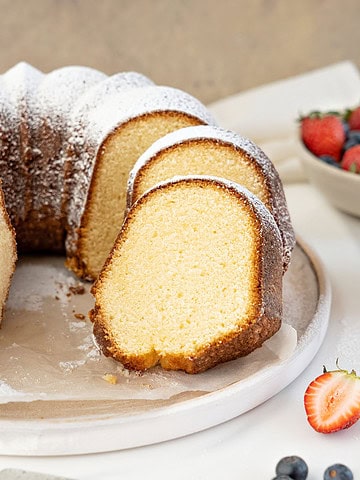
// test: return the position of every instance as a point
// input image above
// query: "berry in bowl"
(330, 154)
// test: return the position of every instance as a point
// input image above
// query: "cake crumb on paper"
(77, 289)
(110, 378)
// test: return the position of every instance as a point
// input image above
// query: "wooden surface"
(210, 48)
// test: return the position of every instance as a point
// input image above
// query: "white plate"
(64, 427)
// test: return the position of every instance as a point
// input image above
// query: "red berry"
(323, 135)
(332, 401)
(351, 159)
(354, 119)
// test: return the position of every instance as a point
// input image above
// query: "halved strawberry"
(323, 134)
(332, 401)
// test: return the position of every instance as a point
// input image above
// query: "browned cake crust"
(263, 321)
(228, 348)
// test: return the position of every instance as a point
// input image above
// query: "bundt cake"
(194, 278)
(7, 253)
(210, 150)
(68, 140)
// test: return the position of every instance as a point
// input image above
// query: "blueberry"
(354, 134)
(346, 127)
(338, 472)
(353, 139)
(329, 160)
(293, 466)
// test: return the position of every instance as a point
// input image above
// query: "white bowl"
(340, 187)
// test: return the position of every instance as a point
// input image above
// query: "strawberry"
(354, 119)
(323, 134)
(332, 401)
(351, 159)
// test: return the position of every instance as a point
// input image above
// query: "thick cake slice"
(114, 137)
(210, 150)
(194, 278)
(7, 254)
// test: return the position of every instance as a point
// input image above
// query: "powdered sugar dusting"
(17, 87)
(118, 83)
(7, 391)
(118, 109)
(34, 116)
(52, 112)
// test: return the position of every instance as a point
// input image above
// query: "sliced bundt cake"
(194, 278)
(210, 150)
(68, 141)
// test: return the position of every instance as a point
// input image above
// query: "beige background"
(210, 48)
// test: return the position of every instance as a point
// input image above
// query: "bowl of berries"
(330, 154)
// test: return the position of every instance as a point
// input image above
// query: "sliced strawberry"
(351, 159)
(332, 401)
(323, 134)
(354, 119)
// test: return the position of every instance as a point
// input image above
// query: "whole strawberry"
(354, 119)
(332, 401)
(351, 159)
(323, 134)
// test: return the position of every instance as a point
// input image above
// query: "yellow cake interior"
(183, 275)
(202, 157)
(107, 199)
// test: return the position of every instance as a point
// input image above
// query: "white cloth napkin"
(268, 114)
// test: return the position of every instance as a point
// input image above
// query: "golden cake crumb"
(110, 378)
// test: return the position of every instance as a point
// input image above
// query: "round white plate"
(70, 426)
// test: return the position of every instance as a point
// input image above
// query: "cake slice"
(211, 150)
(113, 138)
(194, 278)
(7, 254)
